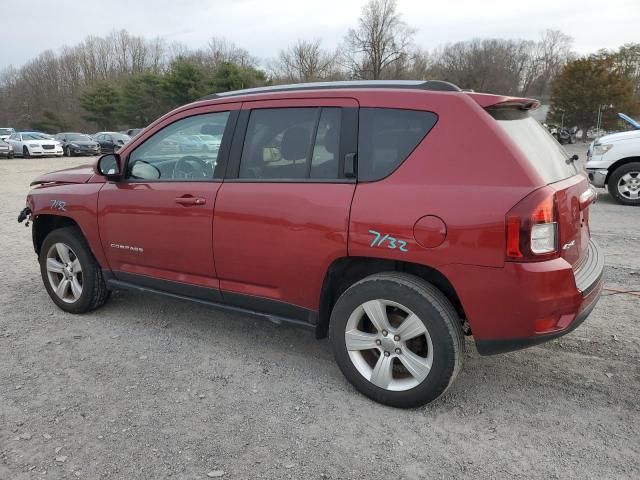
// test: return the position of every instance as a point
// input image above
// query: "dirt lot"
(150, 387)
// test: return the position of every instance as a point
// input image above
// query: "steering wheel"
(192, 167)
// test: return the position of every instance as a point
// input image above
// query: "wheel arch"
(617, 164)
(346, 271)
(43, 225)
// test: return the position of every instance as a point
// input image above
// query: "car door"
(282, 213)
(156, 225)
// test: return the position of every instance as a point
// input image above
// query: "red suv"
(394, 217)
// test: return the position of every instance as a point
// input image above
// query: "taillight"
(532, 227)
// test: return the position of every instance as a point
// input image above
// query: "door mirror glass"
(109, 166)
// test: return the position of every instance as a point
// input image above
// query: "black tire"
(25, 152)
(67, 152)
(632, 168)
(10, 155)
(434, 311)
(94, 289)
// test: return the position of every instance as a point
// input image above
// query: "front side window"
(387, 136)
(291, 143)
(186, 150)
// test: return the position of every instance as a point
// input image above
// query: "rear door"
(282, 214)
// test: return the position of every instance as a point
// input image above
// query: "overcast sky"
(263, 26)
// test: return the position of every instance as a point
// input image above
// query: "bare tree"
(380, 40)
(220, 50)
(305, 61)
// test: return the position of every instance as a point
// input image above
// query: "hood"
(629, 120)
(80, 174)
(617, 137)
(4, 137)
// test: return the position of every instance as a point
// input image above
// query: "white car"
(613, 161)
(34, 144)
(6, 133)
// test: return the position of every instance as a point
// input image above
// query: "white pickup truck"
(614, 161)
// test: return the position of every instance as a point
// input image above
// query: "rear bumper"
(523, 304)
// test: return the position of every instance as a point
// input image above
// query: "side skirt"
(276, 312)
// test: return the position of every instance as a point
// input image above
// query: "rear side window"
(291, 143)
(546, 155)
(386, 137)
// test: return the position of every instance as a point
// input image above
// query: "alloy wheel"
(629, 185)
(64, 272)
(389, 345)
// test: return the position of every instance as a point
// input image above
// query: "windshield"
(78, 137)
(6, 131)
(548, 157)
(33, 136)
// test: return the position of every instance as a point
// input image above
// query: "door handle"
(187, 201)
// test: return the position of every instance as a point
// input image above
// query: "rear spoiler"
(487, 100)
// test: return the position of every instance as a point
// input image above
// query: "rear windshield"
(543, 151)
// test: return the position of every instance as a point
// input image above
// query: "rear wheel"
(624, 184)
(70, 274)
(25, 152)
(397, 339)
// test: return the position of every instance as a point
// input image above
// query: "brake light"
(532, 228)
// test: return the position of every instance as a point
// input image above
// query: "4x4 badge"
(567, 246)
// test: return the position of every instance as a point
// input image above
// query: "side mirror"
(109, 166)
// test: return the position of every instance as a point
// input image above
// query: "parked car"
(78, 144)
(111, 141)
(6, 150)
(613, 161)
(34, 144)
(6, 133)
(334, 206)
(132, 132)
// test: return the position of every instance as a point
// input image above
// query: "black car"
(111, 141)
(78, 144)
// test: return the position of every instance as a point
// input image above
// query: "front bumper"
(524, 304)
(42, 152)
(597, 176)
(84, 151)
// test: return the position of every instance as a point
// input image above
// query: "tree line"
(122, 80)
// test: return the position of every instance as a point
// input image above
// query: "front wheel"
(70, 273)
(67, 152)
(25, 152)
(397, 339)
(624, 184)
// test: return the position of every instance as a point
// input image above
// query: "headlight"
(601, 149)
(35, 145)
(74, 145)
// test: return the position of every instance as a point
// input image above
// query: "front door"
(156, 225)
(282, 214)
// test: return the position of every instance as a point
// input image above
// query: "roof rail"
(433, 85)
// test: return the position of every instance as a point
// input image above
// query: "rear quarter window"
(387, 136)
(543, 151)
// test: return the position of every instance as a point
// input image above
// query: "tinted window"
(386, 137)
(538, 145)
(291, 143)
(185, 150)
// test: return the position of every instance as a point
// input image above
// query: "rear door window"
(387, 136)
(544, 152)
(291, 143)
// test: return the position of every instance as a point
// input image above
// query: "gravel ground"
(150, 387)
